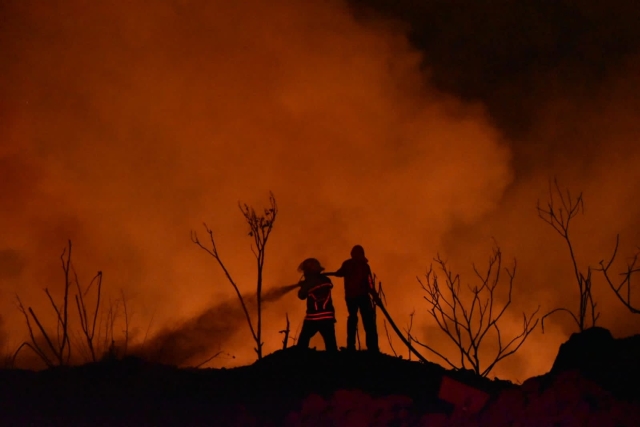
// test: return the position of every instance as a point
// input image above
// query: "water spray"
(197, 336)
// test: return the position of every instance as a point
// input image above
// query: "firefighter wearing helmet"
(316, 289)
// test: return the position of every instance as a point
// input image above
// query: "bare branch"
(566, 310)
(33, 348)
(34, 343)
(409, 332)
(467, 320)
(52, 347)
(214, 253)
(126, 323)
(64, 322)
(619, 288)
(285, 331)
(61, 349)
(146, 334)
(421, 344)
(386, 330)
(528, 325)
(560, 219)
(260, 227)
(89, 329)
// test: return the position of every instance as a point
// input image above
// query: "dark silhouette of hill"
(613, 364)
(308, 387)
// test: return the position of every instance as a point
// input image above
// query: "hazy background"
(410, 129)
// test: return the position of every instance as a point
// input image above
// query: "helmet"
(310, 265)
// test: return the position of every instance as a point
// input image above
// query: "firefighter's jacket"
(358, 280)
(316, 289)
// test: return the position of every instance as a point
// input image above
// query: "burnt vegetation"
(559, 212)
(96, 374)
(260, 227)
(559, 217)
(469, 315)
(623, 287)
(96, 338)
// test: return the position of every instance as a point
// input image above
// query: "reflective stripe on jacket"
(317, 291)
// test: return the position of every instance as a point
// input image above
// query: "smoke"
(197, 338)
(124, 127)
(150, 120)
(560, 80)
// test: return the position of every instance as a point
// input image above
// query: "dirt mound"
(297, 387)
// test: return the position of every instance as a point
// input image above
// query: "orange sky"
(123, 128)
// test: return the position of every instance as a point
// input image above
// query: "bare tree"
(467, 320)
(260, 227)
(88, 325)
(126, 323)
(110, 349)
(286, 331)
(88, 343)
(56, 350)
(623, 288)
(559, 217)
(409, 333)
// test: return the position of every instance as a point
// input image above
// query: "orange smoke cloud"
(147, 122)
(124, 127)
(586, 137)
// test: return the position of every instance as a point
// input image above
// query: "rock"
(599, 357)
(586, 351)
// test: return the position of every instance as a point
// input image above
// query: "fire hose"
(379, 304)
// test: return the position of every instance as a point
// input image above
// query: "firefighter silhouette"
(316, 289)
(358, 291)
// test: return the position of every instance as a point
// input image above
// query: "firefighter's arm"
(303, 292)
(338, 273)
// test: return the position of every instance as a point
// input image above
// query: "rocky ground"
(593, 382)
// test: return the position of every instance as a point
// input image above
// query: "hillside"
(593, 382)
